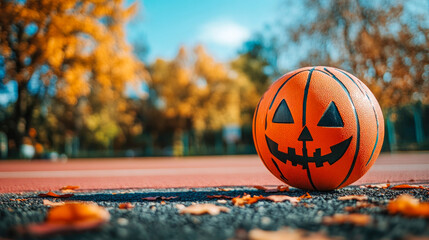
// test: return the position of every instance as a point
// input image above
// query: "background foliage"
(72, 65)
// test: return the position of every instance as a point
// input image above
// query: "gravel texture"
(157, 220)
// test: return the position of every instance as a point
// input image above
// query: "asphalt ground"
(158, 220)
(109, 182)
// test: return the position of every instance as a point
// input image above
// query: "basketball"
(318, 128)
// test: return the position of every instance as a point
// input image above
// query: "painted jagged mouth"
(337, 151)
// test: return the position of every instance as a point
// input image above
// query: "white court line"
(180, 171)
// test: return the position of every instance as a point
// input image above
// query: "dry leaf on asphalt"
(383, 186)
(219, 197)
(158, 198)
(282, 198)
(246, 199)
(406, 186)
(18, 199)
(306, 195)
(69, 187)
(51, 194)
(126, 205)
(285, 234)
(408, 206)
(280, 188)
(200, 209)
(47, 202)
(353, 197)
(354, 218)
(72, 216)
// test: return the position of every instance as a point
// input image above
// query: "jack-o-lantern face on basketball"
(318, 128)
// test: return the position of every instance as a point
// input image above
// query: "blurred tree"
(384, 43)
(258, 61)
(193, 91)
(63, 48)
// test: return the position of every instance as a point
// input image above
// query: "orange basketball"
(318, 128)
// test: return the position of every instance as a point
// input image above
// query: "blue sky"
(220, 25)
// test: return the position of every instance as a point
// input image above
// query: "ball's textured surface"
(318, 128)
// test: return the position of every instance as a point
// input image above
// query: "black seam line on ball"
(317, 70)
(357, 126)
(287, 80)
(278, 169)
(304, 113)
(304, 103)
(375, 114)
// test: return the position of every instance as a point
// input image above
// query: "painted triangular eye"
(282, 114)
(331, 117)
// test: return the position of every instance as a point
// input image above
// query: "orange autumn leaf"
(51, 194)
(18, 199)
(219, 197)
(353, 197)
(282, 198)
(72, 216)
(383, 186)
(306, 195)
(283, 188)
(69, 188)
(126, 205)
(280, 188)
(406, 186)
(354, 218)
(200, 209)
(52, 204)
(246, 199)
(409, 206)
(286, 233)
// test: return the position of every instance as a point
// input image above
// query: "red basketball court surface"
(165, 172)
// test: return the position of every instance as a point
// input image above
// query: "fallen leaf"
(126, 205)
(18, 199)
(219, 197)
(280, 188)
(353, 197)
(306, 195)
(283, 188)
(282, 198)
(383, 186)
(358, 206)
(354, 218)
(51, 194)
(47, 202)
(72, 216)
(260, 187)
(158, 198)
(180, 206)
(406, 186)
(285, 233)
(246, 199)
(225, 189)
(409, 206)
(162, 202)
(200, 209)
(69, 188)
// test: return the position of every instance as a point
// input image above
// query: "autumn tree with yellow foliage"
(196, 92)
(69, 47)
